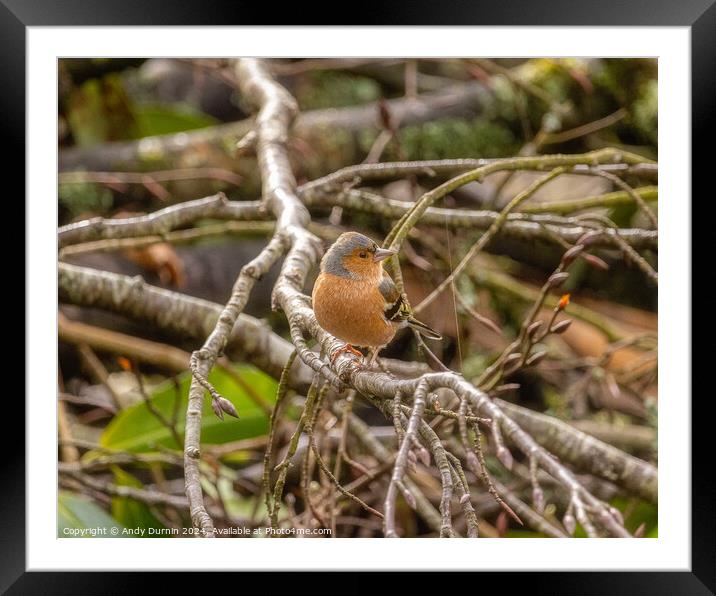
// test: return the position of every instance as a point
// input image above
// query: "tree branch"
(214, 146)
(253, 342)
(275, 112)
(527, 226)
(586, 452)
(160, 222)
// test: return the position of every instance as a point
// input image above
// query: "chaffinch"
(355, 299)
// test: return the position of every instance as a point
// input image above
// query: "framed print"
(343, 283)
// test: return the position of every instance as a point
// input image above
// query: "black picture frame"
(699, 15)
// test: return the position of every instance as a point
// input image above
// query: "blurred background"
(139, 135)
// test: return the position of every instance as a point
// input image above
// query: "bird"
(356, 301)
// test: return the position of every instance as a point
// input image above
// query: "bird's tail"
(424, 329)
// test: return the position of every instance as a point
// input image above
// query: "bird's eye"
(363, 254)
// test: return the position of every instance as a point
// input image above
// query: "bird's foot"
(346, 348)
(373, 360)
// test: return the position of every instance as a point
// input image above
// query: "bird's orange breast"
(351, 310)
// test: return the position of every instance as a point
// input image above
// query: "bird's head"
(356, 256)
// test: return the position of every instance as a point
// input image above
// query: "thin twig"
(489, 235)
(402, 459)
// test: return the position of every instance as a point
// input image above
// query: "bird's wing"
(396, 309)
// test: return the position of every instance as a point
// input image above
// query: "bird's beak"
(383, 253)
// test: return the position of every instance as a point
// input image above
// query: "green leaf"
(637, 512)
(236, 505)
(160, 119)
(128, 512)
(79, 516)
(136, 429)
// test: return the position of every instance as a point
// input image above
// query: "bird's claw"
(346, 348)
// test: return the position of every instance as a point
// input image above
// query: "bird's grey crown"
(352, 240)
(347, 243)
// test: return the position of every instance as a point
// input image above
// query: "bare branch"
(160, 222)
(214, 145)
(276, 110)
(255, 343)
(586, 452)
(525, 226)
(402, 459)
(489, 235)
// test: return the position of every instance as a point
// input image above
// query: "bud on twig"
(588, 238)
(533, 329)
(596, 262)
(217, 409)
(512, 358)
(571, 254)
(561, 327)
(557, 279)
(511, 363)
(563, 302)
(228, 407)
(536, 358)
